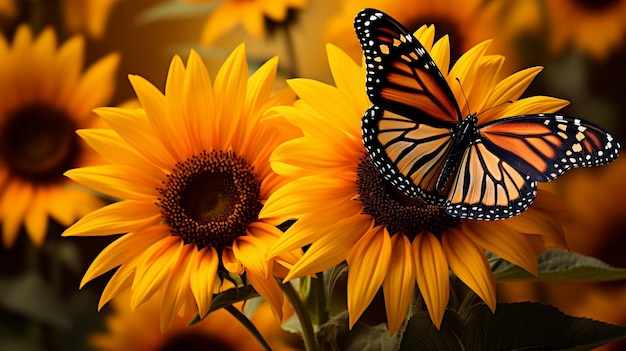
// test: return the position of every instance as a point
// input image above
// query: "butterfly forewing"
(401, 75)
(544, 146)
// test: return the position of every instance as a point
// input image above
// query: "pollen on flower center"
(38, 143)
(210, 199)
(391, 208)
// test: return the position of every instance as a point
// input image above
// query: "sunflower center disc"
(38, 143)
(210, 199)
(398, 212)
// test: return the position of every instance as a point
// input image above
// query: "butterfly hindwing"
(401, 75)
(487, 187)
(408, 154)
(544, 146)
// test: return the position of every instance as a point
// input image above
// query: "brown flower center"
(391, 208)
(210, 199)
(596, 5)
(38, 143)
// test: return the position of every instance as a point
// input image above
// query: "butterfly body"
(422, 144)
(462, 135)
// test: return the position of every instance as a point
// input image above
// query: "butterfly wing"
(497, 175)
(544, 146)
(401, 75)
(487, 187)
(410, 155)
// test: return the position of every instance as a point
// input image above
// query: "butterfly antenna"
(464, 96)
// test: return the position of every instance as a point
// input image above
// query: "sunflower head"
(346, 211)
(191, 167)
(46, 97)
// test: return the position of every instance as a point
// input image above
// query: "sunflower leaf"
(559, 265)
(335, 335)
(421, 334)
(533, 326)
(29, 295)
(227, 298)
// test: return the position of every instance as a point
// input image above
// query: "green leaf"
(533, 326)
(421, 334)
(175, 10)
(30, 296)
(560, 265)
(336, 336)
(228, 298)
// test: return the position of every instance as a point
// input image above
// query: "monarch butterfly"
(421, 143)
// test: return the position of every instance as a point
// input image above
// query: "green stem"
(320, 299)
(249, 325)
(305, 320)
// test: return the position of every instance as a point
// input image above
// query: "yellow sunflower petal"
(117, 181)
(343, 70)
(36, 219)
(154, 268)
(328, 101)
(259, 87)
(399, 283)
(92, 89)
(177, 289)
(123, 249)
(369, 262)
(15, 201)
(113, 148)
(503, 241)
(176, 116)
(304, 195)
(252, 253)
(203, 265)
(469, 263)
(119, 217)
(440, 53)
(271, 292)
(230, 261)
(329, 250)
(121, 280)
(134, 128)
(431, 274)
(300, 232)
(198, 93)
(230, 85)
(69, 63)
(157, 112)
(534, 104)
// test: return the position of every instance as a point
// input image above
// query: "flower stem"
(249, 325)
(303, 316)
(320, 299)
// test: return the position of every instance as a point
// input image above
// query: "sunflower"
(45, 98)
(467, 22)
(89, 16)
(255, 16)
(139, 330)
(346, 211)
(192, 169)
(594, 27)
